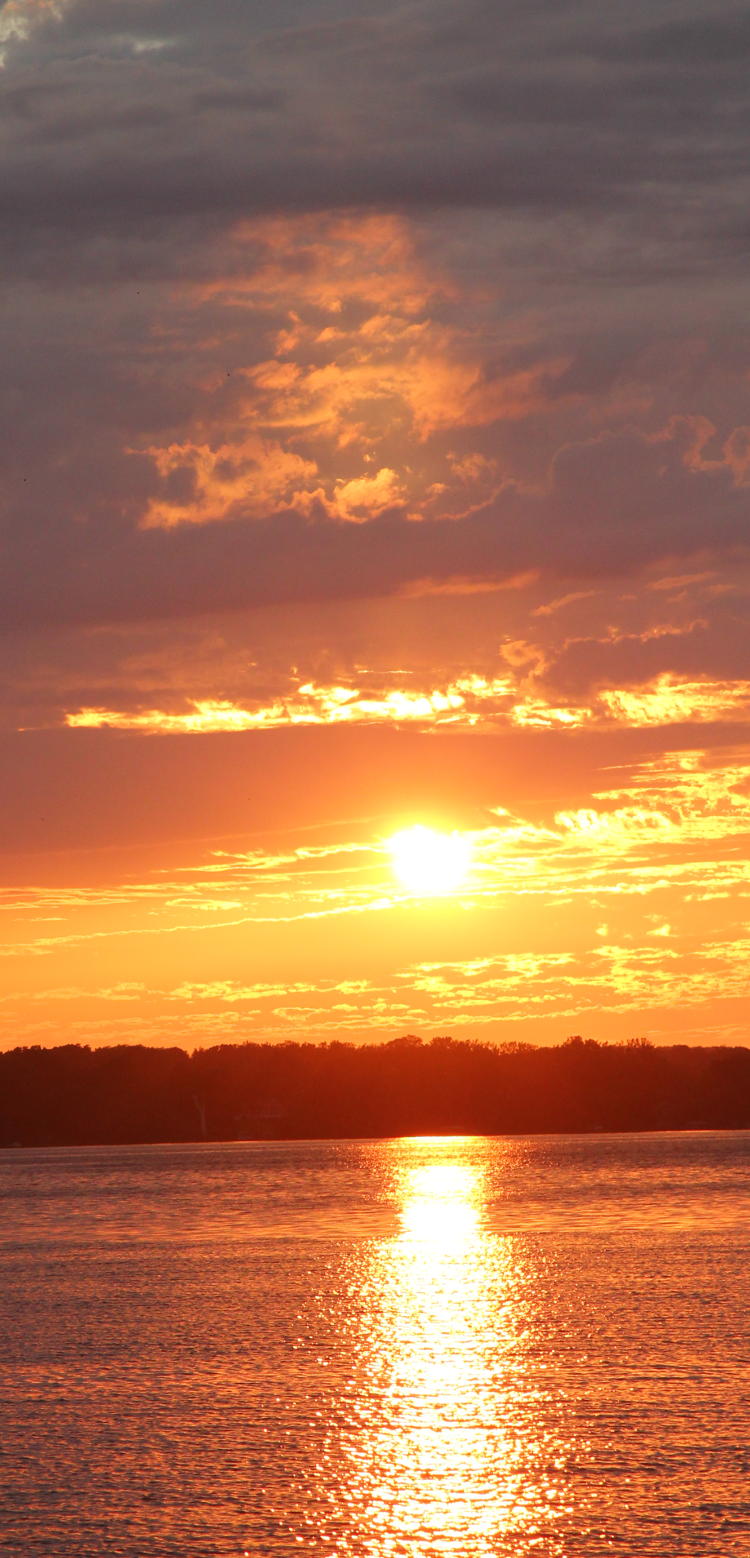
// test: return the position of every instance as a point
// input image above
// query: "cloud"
(658, 844)
(374, 406)
(364, 497)
(670, 701)
(618, 504)
(575, 111)
(205, 484)
(461, 702)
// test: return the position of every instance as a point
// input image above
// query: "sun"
(428, 863)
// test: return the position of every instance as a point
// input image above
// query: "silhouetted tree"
(133, 1093)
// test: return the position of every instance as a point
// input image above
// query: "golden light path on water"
(455, 1454)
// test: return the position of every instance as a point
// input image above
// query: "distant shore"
(75, 1095)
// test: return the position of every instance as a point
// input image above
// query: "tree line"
(74, 1094)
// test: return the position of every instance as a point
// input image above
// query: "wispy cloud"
(396, 469)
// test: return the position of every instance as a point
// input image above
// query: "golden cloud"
(342, 401)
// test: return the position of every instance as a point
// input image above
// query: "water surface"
(458, 1346)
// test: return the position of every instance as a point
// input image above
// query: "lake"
(422, 1347)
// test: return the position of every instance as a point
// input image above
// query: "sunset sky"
(375, 453)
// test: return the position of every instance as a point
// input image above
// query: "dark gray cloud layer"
(615, 508)
(139, 115)
(581, 168)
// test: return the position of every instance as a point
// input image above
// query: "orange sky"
(378, 478)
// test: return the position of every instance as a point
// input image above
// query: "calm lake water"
(429, 1347)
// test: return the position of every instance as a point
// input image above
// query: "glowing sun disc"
(428, 863)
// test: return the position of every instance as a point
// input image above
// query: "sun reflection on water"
(441, 1203)
(455, 1456)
